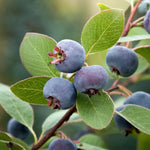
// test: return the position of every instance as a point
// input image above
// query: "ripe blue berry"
(90, 79)
(60, 93)
(144, 6)
(122, 60)
(147, 21)
(62, 144)
(17, 129)
(139, 98)
(68, 56)
(121, 123)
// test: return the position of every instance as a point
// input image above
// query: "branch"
(112, 89)
(58, 125)
(53, 130)
(133, 11)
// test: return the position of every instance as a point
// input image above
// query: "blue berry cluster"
(68, 57)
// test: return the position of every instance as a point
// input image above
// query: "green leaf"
(34, 54)
(86, 146)
(144, 51)
(31, 89)
(134, 38)
(137, 31)
(53, 118)
(97, 58)
(92, 139)
(16, 108)
(143, 142)
(142, 66)
(17, 146)
(4, 137)
(20, 142)
(123, 4)
(3, 146)
(137, 116)
(96, 111)
(102, 31)
(103, 6)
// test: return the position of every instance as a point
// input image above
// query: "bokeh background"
(59, 19)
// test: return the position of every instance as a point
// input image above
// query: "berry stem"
(53, 130)
(112, 89)
(118, 93)
(128, 25)
(135, 23)
(124, 89)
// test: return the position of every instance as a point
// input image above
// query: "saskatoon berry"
(122, 60)
(147, 21)
(144, 6)
(139, 98)
(68, 56)
(17, 129)
(121, 123)
(62, 144)
(60, 93)
(90, 79)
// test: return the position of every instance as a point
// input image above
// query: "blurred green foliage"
(58, 19)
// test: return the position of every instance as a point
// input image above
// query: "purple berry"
(60, 93)
(139, 98)
(17, 129)
(121, 123)
(122, 60)
(68, 56)
(62, 144)
(90, 79)
(147, 21)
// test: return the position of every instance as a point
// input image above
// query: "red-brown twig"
(133, 11)
(53, 130)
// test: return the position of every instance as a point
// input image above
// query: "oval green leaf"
(53, 118)
(143, 65)
(143, 142)
(102, 31)
(15, 107)
(103, 6)
(34, 54)
(96, 111)
(20, 142)
(137, 116)
(31, 90)
(17, 146)
(92, 139)
(134, 38)
(144, 51)
(4, 137)
(86, 146)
